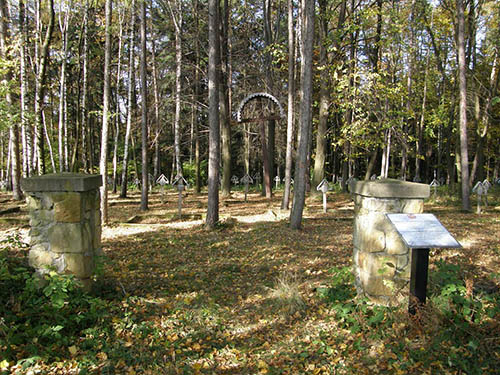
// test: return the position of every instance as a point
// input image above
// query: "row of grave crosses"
(247, 179)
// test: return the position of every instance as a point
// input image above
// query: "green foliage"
(40, 315)
(189, 170)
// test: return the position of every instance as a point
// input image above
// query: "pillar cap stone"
(65, 181)
(390, 188)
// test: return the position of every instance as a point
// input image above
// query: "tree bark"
(40, 89)
(324, 100)
(225, 111)
(130, 101)
(305, 114)
(15, 170)
(144, 111)
(103, 167)
(213, 116)
(464, 156)
(291, 93)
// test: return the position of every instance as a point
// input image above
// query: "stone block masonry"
(65, 222)
(381, 261)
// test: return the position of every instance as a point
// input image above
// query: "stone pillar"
(382, 262)
(65, 220)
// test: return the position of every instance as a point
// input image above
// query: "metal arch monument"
(256, 95)
(262, 120)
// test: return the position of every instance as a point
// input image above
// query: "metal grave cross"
(162, 180)
(235, 180)
(246, 179)
(434, 184)
(277, 179)
(420, 233)
(257, 178)
(323, 187)
(480, 191)
(181, 184)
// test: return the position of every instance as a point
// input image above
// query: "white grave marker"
(181, 184)
(277, 179)
(434, 184)
(323, 187)
(246, 179)
(480, 191)
(235, 180)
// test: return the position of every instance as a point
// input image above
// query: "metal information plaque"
(422, 231)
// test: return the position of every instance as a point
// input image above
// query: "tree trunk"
(305, 114)
(464, 156)
(291, 92)
(156, 159)
(103, 167)
(40, 89)
(62, 135)
(213, 116)
(324, 100)
(25, 127)
(15, 170)
(225, 111)
(117, 103)
(84, 118)
(478, 164)
(144, 111)
(130, 101)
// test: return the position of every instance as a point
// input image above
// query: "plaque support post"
(418, 278)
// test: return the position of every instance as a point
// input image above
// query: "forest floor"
(253, 296)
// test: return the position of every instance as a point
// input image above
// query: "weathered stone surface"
(376, 286)
(67, 207)
(412, 206)
(80, 265)
(390, 188)
(61, 182)
(372, 240)
(33, 203)
(378, 264)
(40, 258)
(394, 244)
(67, 238)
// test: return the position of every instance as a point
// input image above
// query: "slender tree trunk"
(478, 164)
(213, 116)
(196, 98)
(130, 101)
(15, 170)
(117, 103)
(83, 110)
(324, 100)
(291, 92)
(156, 159)
(62, 140)
(305, 114)
(464, 156)
(25, 127)
(177, 19)
(144, 111)
(103, 167)
(40, 89)
(224, 103)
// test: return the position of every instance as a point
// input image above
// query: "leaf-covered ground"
(254, 296)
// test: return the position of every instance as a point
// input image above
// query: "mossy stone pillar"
(382, 262)
(65, 222)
